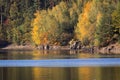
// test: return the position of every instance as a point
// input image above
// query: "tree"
(86, 26)
(104, 31)
(95, 25)
(55, 25)
(16, 20)
(44, 28)
(36, 4)
(62, 15)
(116, 21)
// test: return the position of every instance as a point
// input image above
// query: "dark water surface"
(79, 66)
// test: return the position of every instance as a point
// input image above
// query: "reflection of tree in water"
(72, 73)
(15, 73)
(85, 73)
(50, 73)
(110, 73)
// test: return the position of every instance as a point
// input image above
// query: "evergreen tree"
(15, 21)
(116, 21)
(104, 31)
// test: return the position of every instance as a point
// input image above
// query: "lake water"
(58, 65)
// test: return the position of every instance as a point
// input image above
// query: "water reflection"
(80, 73)
(55, 54)
(36, 54)
(111, 73)
(56, 73)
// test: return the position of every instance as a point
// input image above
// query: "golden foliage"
(83, 26)
(44, 28)
(87, 22)
(37, 37)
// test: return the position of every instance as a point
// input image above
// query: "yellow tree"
(87, 23)
(44, 28)
(35, 31)
(82, 29)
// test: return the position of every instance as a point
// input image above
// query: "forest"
(57, 22)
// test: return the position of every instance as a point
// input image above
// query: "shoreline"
(110, 49)
(18, 47)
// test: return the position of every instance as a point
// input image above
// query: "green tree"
(104, 31)
(16, 20)
(116, 21)
(36, 4)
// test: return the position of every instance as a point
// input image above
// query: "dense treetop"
(56, 22)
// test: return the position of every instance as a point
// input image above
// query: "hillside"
(57, 22)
